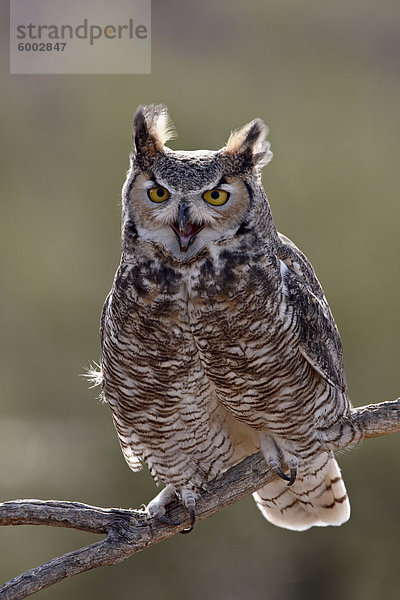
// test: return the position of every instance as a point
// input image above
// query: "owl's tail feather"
(318, 497)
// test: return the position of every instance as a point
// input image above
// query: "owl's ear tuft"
(250, 143)
(152, 128)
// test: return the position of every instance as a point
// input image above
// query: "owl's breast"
(150, 360)
(234, 292)
(246, 336)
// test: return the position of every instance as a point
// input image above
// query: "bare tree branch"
(131, 531)
(377, 419)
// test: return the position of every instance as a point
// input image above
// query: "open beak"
(185, 229)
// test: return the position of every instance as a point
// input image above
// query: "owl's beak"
(185, 230)
(183, 217)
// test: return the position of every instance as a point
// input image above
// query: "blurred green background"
(325, 77)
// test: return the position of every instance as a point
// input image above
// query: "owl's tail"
(318, 497)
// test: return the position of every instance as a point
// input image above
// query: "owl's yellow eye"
(216, 197)
(158, 194)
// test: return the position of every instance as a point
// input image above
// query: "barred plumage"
(217, 338)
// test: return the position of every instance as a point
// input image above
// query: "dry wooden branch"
(130, 531)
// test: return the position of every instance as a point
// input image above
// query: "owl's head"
(186, 201)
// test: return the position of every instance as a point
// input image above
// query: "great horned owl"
(217, 339)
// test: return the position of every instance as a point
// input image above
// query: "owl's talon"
(283, 475)
(192, 514)
(163, 518)
(188, 530)
(167, 520)
(293, 475)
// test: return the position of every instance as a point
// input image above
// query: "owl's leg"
(157, 507)
(278, 452)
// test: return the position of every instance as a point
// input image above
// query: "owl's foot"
(157, 507)
(275, 455)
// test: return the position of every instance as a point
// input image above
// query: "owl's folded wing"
(319, 339)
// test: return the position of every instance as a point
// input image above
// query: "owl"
(217, 339)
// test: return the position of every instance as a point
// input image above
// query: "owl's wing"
(103, 318)
(320, 341)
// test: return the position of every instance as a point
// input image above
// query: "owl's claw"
(293, 475)
(282, 475)
(192, 514)
(166, 520)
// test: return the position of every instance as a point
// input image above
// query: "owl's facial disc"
(186, 221)
(184, 229)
